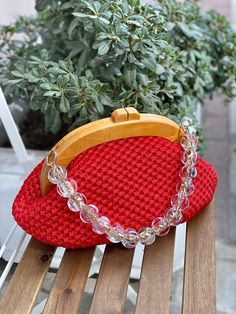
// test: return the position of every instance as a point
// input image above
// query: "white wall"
(10, 9)
(233, 13)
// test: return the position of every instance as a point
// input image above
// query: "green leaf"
(130, 74)
(93, 17)
(75, 108)
(159, 69)
(91, 6)
(83, 113)
(18, 74)
(52, 93)
(63, 65)
(105, 21)
(67, 5)
(150, 63)
(20, 66)
(82, 62)
(95, 4)
(79, 14)
(13, 82)
(99, 105)
(143, 78)
(31, 78)
(46, 86)
(190, 30)
(41, 5)
(169, 26)
(192, 56)
(46, 107)
(64, 104)
(185, 29)
(106, 100)
(60, 81)
(56, 71)
(52, 119)
(179, 89)
(75, 22)
(104, 47)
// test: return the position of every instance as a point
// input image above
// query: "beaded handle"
(89, 213)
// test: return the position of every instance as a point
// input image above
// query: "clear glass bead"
(178, 220)
(175, 200)
(147, 236)
(133, 238)
(189, 157)
(174, 216)
(184, 204)
(101, 226)
(184, 142)
(160, 226)
(186, 172)
(183, 172)
(192, 172)
(67, 188)
(181, 190)
(87, 212)
(171, 213)
(76, 201)
(185, 186)
(57, 174)
(116, 235)
(189, 140)
(193, 140)
(190, 189)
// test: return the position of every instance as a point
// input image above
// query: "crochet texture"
(131, 181)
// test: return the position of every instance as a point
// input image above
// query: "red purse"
(127, 184)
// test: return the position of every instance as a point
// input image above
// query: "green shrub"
(76, 61)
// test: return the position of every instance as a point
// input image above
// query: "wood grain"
(156, 276)
(106, 130)
(199, 294)
(27, 279)
(124, 114)
(111, 287)
(68, 287)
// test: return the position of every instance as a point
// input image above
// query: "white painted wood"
(179, 250)
(11, 183)
(11, 260)
(131, 294)
(5, 243)
(13, 133)
(137, 262)
(181, 229)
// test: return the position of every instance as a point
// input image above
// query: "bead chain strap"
(89, 213)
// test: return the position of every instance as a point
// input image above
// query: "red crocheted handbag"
(130, 179)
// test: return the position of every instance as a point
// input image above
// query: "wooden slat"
(199, 295)
(71, 277)
(111, 287)
(27, 279)
(155, 282)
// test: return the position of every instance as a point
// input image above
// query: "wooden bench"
(199, 294)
